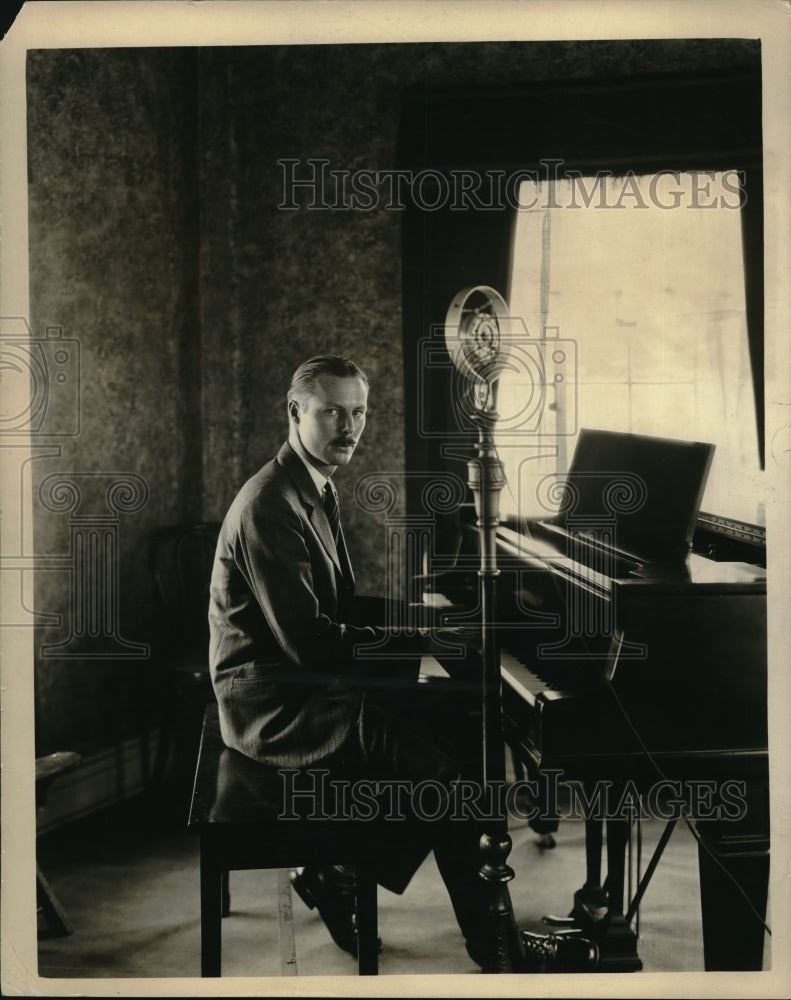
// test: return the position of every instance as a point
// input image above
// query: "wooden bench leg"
(285, 924)
(367, 924)
(53, 911)
(211, 884)
(226, 894)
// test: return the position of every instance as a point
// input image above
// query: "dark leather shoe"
(332, 892)
(570, 952)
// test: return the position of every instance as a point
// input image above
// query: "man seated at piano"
(288, 661)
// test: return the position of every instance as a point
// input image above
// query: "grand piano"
(631, 633)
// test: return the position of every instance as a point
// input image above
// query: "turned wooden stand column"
(486, 479)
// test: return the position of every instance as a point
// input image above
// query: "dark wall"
(110, 263)
(157, 243)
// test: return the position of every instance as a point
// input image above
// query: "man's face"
(331, 420)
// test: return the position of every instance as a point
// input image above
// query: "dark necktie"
(334, 517)
(331, 507)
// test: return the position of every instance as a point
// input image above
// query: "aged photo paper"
(195, 195)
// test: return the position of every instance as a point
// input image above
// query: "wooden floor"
(129, 883)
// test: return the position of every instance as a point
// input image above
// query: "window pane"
(638, 283)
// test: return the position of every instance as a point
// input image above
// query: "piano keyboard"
(523, 681)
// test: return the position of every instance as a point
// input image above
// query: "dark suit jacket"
(281, 654)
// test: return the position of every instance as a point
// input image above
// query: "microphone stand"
(486, 479)
(507, 948)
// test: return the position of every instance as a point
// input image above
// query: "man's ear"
(293, 410)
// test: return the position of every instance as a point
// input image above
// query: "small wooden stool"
(236, 805)
(47, 770)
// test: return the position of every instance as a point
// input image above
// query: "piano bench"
(236, 811)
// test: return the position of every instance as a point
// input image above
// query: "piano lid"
(639, 493)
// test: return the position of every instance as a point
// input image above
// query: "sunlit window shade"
(633, 299)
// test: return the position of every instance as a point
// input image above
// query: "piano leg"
(617, 941)
(590, 902)
(598, 911)
(617, 839)
(594, 829)
(733, 932)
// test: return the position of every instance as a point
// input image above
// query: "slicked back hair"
(304, 378)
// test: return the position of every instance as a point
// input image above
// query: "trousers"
(408, 754)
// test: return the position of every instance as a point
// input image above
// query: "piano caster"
(608, 928)
(617, 945)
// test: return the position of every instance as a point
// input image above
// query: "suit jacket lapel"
(306, 488)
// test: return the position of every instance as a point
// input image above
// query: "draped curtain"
(453, 139)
